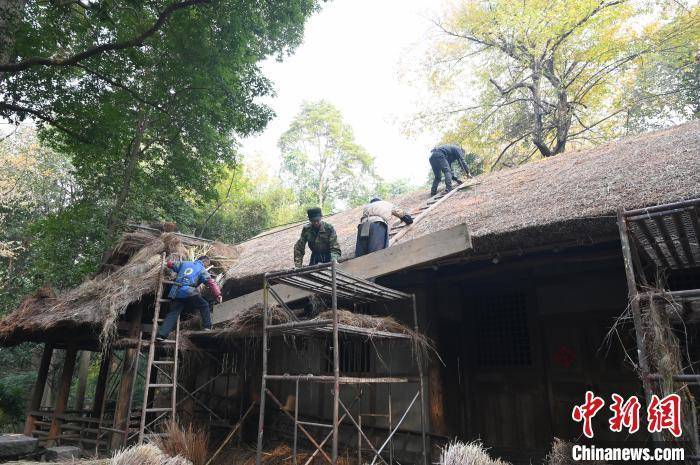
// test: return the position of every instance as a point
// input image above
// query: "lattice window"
(502, 332)
(355, 356)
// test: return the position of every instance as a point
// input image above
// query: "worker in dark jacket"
(373, 230)
(321, 238)
(441, 159)
(184, 294)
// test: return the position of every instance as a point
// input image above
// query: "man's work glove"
(408, 219)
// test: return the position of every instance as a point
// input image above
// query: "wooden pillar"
(437, 400)
(101, 387)
(63, 393)
(39, 386)
(83, 368)
(126, 384)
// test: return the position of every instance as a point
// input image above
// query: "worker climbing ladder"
(165, 367)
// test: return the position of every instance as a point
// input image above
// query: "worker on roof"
(184, 294)
(441, 159)
(321, 238)
(373, 230)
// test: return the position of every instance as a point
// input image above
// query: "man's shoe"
(160, 338)
(207, 329)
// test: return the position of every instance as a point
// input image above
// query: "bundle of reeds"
(561, 454)
(146, 454)
(470, 453)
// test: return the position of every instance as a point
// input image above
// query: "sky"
(352, 56)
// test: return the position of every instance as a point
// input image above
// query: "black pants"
(319, 257)
(440, 166)
(378, 239)
(191, 303)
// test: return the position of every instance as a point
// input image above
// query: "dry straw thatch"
(561, 454)
(184, 441)
(99, 302)
(249, 323)
(470, 453)
(146, 454)
(573, 196)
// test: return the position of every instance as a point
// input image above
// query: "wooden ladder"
(161, 365)
(398, 229)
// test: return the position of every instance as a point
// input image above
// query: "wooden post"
(436, 400)
(101, 387)
(83, 367)
(63, 393)
(39, 385)
(129, 367)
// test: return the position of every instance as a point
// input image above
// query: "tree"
(248, 202)
(147, 98)
(667, 87)
(543, 73)
(319, 154)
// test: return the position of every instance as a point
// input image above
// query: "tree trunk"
(116, 216)
(537, 109)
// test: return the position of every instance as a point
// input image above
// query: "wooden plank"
(432, 203)
(418, 251)
(38, 392)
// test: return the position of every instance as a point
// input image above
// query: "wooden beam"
(63, 393)
(38, 392)
(415, 252)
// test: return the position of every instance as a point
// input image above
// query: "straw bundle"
(470, 453)
(561, 455)
(664, 355)
(146, 454)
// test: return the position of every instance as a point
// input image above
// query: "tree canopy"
(517, 80)
(324, 163)
(146, 98)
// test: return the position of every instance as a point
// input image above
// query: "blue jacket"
(189, 276)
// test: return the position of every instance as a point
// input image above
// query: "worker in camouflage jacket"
(441, 159)
(373, 230)
(321, 238)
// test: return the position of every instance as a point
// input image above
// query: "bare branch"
(99, 49)
(518, 85)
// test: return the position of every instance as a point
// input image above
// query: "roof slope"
(572, 196)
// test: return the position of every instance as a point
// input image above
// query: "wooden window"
(355, 356)
(502, 333)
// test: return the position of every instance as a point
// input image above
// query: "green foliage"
(146, 127)
(16, 383)
(324, 164)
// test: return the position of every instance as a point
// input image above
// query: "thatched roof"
(92, 309)
(573, 196)
(570, 197)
